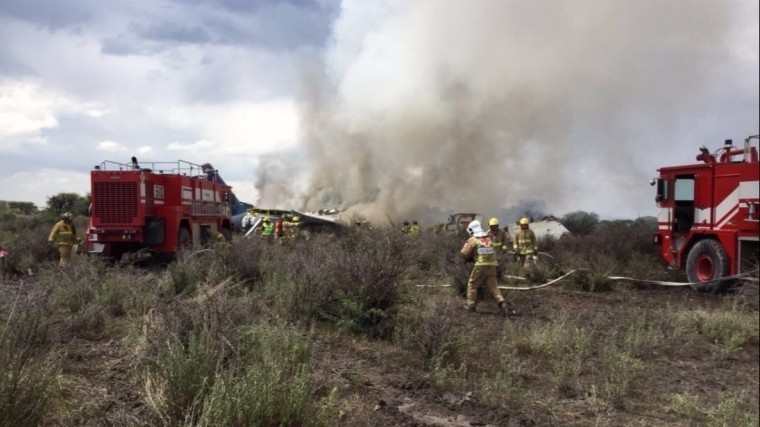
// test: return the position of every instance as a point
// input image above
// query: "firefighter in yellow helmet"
(525, 244)
(292, 229)
(479, 248)
(499, 240)
(415, 228)
(64, 237)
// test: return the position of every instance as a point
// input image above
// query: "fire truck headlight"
(93, 237)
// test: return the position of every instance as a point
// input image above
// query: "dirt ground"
(381, 384)
(408, 397)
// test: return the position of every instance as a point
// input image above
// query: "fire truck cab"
(709, 211)
(156, 208)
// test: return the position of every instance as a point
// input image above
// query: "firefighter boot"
(503, 308)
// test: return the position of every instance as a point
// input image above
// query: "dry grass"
(333, 329)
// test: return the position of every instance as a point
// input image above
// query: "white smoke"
(429, 106)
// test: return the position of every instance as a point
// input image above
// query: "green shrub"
(617, 370)
(354, 281)
(428, 330)
(27, 371)
(728, 331)
(24, 238)
(184, 374)
(270, 385)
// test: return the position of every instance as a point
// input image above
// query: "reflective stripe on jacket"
(499, 239)
(481, 249)
(63, 233)
(525, 242)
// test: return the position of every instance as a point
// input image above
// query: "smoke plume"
(421, 108)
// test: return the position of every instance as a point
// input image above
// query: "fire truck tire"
(708, 261)
(184, 239)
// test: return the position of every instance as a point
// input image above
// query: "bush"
(24, 238)
(271, 386)
(27, 373)
(354, 281)
(208, 369)
(428, 330)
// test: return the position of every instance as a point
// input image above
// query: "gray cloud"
(277, 26)
(174, 32)
(52, 15)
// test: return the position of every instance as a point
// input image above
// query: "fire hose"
(632, 279)
(744, 276)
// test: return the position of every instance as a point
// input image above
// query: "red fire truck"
(709, 211)
(156, 208)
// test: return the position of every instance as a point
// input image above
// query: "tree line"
(56, 205)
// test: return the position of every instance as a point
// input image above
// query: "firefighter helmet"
(266, 218)
(493, 221)
(524, 221)
(296, 218)
(474, 229)
(66, 215)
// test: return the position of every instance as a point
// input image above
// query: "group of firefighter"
(485, 249)
(280, 230)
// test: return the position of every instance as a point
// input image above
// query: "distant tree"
(24, 208)
(580, 222)
(71, 202)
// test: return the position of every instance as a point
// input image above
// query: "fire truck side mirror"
(662, 189)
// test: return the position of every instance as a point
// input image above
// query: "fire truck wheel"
(708, 261)
(184, 239)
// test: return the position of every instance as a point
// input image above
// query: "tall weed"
(27, 371)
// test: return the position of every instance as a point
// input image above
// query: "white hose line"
(616, 278)
(529, 288)
(692, 284)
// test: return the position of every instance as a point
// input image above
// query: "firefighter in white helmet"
(525, 244)
(478, 248)
(500, 241)
(64, 237)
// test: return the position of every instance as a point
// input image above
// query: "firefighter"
(64, 236)
(221, 244)
(278, 233)
(415, 228)
(525, 244)
(267, 230)
(292, 229)
(478, 247)
(405, 227)
(499, 240)
(438, 228)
